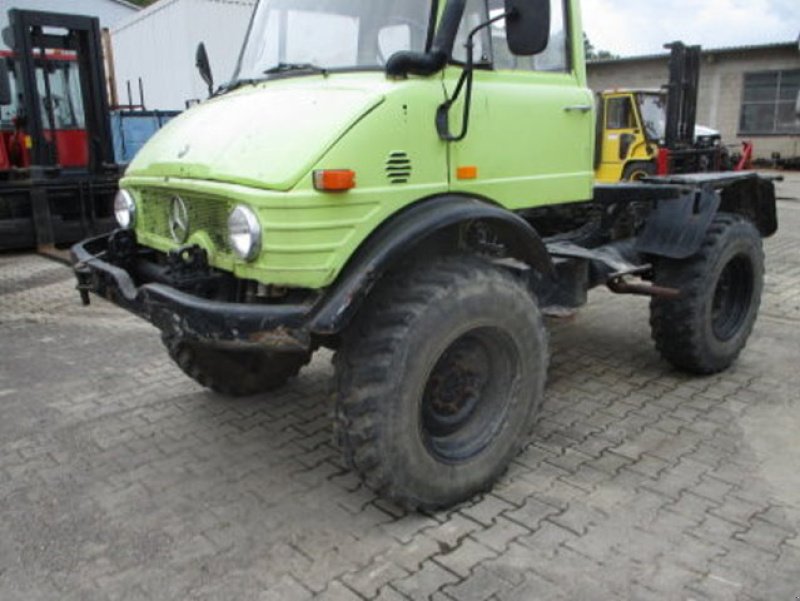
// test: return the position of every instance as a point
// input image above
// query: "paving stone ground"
(121, 479)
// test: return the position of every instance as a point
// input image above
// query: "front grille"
(206, 213)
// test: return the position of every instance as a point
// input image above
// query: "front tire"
(439, 381)
(234, 372)
(706, 328)
(638, 170)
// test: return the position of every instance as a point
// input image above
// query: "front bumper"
(109, 266)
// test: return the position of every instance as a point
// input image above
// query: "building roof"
(706, 52)
(127, 4)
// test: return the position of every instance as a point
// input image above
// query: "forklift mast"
(34, 35)
(682, 90)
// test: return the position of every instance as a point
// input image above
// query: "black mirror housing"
(5, 84)
(527, 26)
(204, 67)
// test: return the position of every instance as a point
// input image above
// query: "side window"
(474, 14)
(554, 57)
(619, 113)
(64, 99)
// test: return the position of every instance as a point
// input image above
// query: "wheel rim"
(468, 393)
(733, 296)
(638, 175)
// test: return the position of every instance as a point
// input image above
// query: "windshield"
(64, 98)
(653, 108)
(303, 35)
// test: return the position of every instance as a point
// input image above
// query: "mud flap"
(676, 228)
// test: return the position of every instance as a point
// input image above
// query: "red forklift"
(58, 176)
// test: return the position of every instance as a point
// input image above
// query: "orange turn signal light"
(467, 172)
(334, 180)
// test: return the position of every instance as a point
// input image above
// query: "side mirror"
(527, 26)
(202, 64)
(5, 84)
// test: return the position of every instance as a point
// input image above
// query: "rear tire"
(439, 381)
(234, 373)
(705, 329)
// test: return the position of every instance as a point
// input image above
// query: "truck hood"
(264, 136)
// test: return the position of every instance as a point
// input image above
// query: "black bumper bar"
(280, 327)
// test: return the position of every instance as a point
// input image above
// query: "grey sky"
(630, 27)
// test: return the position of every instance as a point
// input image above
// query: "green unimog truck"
(410, 183)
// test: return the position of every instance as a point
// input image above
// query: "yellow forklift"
(644, 132)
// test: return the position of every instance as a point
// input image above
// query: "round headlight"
(125, 209)
(244, 233)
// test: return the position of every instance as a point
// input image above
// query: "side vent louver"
(398, 168)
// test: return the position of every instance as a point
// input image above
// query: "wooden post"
(111, 77)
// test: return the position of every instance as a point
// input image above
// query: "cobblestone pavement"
(121, 479)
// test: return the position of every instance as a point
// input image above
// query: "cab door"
(531, 127)
(620, 135)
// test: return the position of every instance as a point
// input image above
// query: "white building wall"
(110, 12)
(158, 45)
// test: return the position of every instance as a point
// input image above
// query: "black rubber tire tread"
(234, 373)
(682, 328)
(373, 374)
(648, 167)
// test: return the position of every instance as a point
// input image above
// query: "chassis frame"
(182, 295)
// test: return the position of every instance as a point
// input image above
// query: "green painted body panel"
(528, 149)
(260, 145)
(265, 136)
(308, 235)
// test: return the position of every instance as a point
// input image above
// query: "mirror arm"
(443, 112)
(465, 81)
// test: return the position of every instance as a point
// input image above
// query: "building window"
(768, 105)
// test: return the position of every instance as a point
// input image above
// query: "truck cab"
(302, 106)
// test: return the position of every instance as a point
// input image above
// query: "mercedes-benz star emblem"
(178, 219)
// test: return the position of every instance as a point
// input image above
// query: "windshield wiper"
(288, 67)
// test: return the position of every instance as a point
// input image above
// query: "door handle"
(578, 108)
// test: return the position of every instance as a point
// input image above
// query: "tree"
(593, 54)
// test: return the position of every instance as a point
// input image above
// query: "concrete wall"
(721, 87)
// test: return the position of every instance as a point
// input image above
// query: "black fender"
(677, 226)
(399, 235)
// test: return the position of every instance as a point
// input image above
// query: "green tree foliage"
(593, 53)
